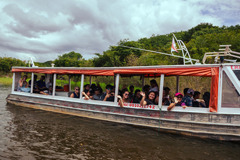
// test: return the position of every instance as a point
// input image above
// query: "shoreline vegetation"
(200, 39)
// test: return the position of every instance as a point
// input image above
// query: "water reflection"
(36, 134)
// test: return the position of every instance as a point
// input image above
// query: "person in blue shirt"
(187, 99)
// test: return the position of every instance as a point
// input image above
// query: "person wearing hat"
(108, 95)
(188, 98)
(177, 102)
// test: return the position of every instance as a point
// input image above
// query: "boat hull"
(203, 125)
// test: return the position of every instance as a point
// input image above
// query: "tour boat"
(221, 120)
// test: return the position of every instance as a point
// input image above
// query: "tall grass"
(6, 81)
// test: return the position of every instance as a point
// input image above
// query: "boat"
(220, 121)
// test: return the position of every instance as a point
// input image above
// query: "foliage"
(6, 64)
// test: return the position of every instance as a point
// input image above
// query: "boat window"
(21, 82)
(230, 96)
(237, 73)
(195, 84)
(65, 84)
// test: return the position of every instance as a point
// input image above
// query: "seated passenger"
(108, 96)
(86, 88)
(167, 99)
(188, 98)
(131, 93)
(154, 86)
(41, 85)
(149, 100)
(34, 82)
(97, 95)
(177, 102)
(197, 102)
(88, 95)
(75, 94)
(206, 98)
(124, 98)
(146, 89)
(137, 97)
(23, 85)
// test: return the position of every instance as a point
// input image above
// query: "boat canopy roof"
(148, 71)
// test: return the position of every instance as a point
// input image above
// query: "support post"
(143, 81)
(81, 87)
(161, 91)
(32, 83)
(69, 83)
(219, 107)
(54, 84)
(13, 83)
(90, 79)
(177, 84)
(116, 89)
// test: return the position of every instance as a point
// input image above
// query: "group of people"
(39, 86)
(148, 96)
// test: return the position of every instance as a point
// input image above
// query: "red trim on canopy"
(94, 72)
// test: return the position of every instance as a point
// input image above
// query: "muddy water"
(35, 134)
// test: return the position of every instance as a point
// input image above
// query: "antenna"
(185, 54)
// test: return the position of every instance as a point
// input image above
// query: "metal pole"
(116, 89)
(32, 82)
(161, 91)
(13, 83)
(69, 83)
(54, 84)
(90, 79)
(81, 87)
(177, 84)
(143, 81)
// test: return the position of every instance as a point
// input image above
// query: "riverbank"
(7, 81)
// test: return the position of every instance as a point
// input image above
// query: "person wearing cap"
(177, 102)
(188, 98)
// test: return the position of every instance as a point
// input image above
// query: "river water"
(34, 134)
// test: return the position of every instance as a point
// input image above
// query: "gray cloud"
(45, 29)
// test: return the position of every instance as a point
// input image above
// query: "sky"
(46, 29)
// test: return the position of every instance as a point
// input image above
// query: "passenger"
(131, 93)
(188, 98)
(149, 100)
(100, 88)
(137, 97)
(34, 82)
(41, 85)
(206, 98)
(88, 95)
(177, 102)
(124, 98)
(146, 89)
(23, 85)
(154, 86)
(97, 94)
(75, 94)
(86, 88)
(167, 99)
(185, 92)
(108, 95)
(197, 102)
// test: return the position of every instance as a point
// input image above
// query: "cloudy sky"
(45, 29)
